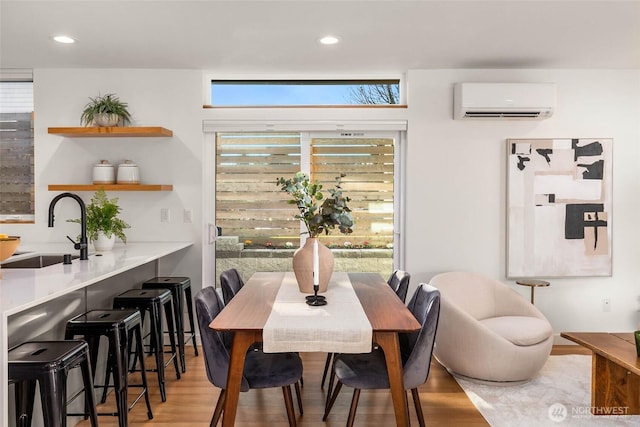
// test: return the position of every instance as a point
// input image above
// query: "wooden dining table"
(247, 313)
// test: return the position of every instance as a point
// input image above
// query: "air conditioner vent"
(532, 101)
(503, 114)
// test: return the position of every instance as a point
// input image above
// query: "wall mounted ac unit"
(533, 101)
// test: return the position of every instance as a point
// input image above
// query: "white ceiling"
(280, 37)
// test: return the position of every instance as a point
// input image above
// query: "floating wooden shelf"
(110, 187)
(112, 132)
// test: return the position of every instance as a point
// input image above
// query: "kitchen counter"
(23, 289)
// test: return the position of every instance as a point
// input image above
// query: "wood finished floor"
(190, 400)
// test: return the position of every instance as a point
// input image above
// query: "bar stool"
(49, 363)
(153, 300)
(117, 326)
(180, 288)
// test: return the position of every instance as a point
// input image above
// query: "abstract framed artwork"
(559, 207)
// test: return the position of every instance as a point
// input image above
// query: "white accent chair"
(488, 332)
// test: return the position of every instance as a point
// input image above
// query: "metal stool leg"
(53, 392)
(178, 305)
(90, 401)
(120, 376)
(25, 392)
(157, 342)
(143, 373)
(168, 313)
(192, 332)
(107, 378)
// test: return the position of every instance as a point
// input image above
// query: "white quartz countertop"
(22, 288)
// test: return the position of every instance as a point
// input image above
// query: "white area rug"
(560, 395)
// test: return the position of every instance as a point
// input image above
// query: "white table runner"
(341, 326)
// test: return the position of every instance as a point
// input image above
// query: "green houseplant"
(106, 110)
(320, 215)
(102, 217)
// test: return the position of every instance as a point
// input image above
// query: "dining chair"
(231, 283)
(399, 282)
(261, 370)
(369, 370)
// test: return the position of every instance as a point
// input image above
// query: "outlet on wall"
(606, 304)
(188, 216)
(165, 215)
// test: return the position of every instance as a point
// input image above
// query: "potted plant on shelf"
(103, 224)
(105, 110)
(319, 215)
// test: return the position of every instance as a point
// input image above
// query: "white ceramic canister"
(104, 173)
(128, 173)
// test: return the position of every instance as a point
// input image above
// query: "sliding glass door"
(258, 228)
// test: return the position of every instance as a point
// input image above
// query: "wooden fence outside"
(250, 205)
(16, 164)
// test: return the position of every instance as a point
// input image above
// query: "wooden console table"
(615, 371)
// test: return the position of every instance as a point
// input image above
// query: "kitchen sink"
(37, 261)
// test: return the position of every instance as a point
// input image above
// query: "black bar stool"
(49, 363)
(180, 288)
(153, 300)
(117, 326)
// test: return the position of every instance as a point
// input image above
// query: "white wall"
(167, 98)
(457, 183)
(455, 213)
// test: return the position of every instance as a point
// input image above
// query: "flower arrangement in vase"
(320, 215)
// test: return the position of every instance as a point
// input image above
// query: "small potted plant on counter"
(103, 224)
(105, 111)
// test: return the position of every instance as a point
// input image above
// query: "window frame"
(22, 76)
(284, 85)
(211, 127)
(208, 78)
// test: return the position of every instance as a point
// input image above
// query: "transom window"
(226, 93)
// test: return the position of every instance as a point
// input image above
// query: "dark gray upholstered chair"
(369, 370)
(261, 370)
(399, 282)
(231, 283)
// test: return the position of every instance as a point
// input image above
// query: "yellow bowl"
(8, 246)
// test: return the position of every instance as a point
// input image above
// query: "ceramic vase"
(303, 266)
(106, 120)
(104, 243)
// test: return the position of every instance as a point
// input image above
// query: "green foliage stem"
(319, 214)
(102, 215)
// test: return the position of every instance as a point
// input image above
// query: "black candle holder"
(316, 300)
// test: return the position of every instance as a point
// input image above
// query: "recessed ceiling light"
(329, 40)
(64, 39)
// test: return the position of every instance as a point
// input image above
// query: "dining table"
(248, 312)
